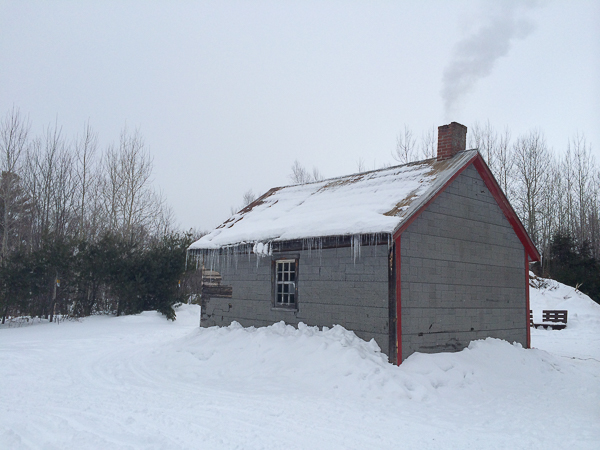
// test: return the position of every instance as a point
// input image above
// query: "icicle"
(355, 246)
(307, 245)
(258, 249)
(320, 246)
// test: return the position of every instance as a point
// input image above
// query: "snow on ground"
(144, 382)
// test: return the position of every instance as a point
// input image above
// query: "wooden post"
(54, 299)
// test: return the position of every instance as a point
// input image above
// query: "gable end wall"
(462, 272)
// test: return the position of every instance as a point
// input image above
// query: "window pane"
(280, 288)
(285, 288)
(286, 277)
(293, 276)
(291, 298)
(279, 276)
(279, 298)
(293, 266)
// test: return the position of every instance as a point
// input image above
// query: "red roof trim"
(501, 200)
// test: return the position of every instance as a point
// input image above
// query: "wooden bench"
(552, 318)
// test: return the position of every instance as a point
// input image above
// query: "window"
(285, 283)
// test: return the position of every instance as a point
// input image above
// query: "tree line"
(82, 229)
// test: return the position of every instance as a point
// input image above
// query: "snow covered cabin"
(425, 256)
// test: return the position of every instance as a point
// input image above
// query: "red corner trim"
(507, 209)
(398, 303)
(527, 309)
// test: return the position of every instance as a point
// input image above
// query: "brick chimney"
(452, 139)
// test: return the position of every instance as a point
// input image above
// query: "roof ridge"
(411, 163)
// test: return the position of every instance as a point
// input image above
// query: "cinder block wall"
(333, 288)
(462, 272)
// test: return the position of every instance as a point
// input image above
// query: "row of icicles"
(214, 258)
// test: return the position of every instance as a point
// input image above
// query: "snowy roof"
(364, 203)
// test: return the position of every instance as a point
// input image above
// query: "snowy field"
(141, 382)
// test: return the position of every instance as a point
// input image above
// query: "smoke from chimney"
(475, 56)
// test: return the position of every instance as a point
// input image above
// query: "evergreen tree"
(574, 265)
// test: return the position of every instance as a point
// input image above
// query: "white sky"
(229, 93)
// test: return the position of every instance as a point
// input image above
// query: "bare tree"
(428, 143)
(14, 131)
(405, 146)
(584, 166)
(248, 198)
(111, 188)
(504, 162)
(548, 211)
(568, 176)
(87, 178)
(407, 149)
(300, 175)
(64, 187)
(485, 138)
(360, 165)
(531, 163)
(317, 175)
(51, 184)
(163, 223)
(130, 203)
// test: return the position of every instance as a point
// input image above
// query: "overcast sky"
(229, 93)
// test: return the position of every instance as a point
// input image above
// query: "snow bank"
(280, 356)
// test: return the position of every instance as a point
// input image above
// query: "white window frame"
(285, 283)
